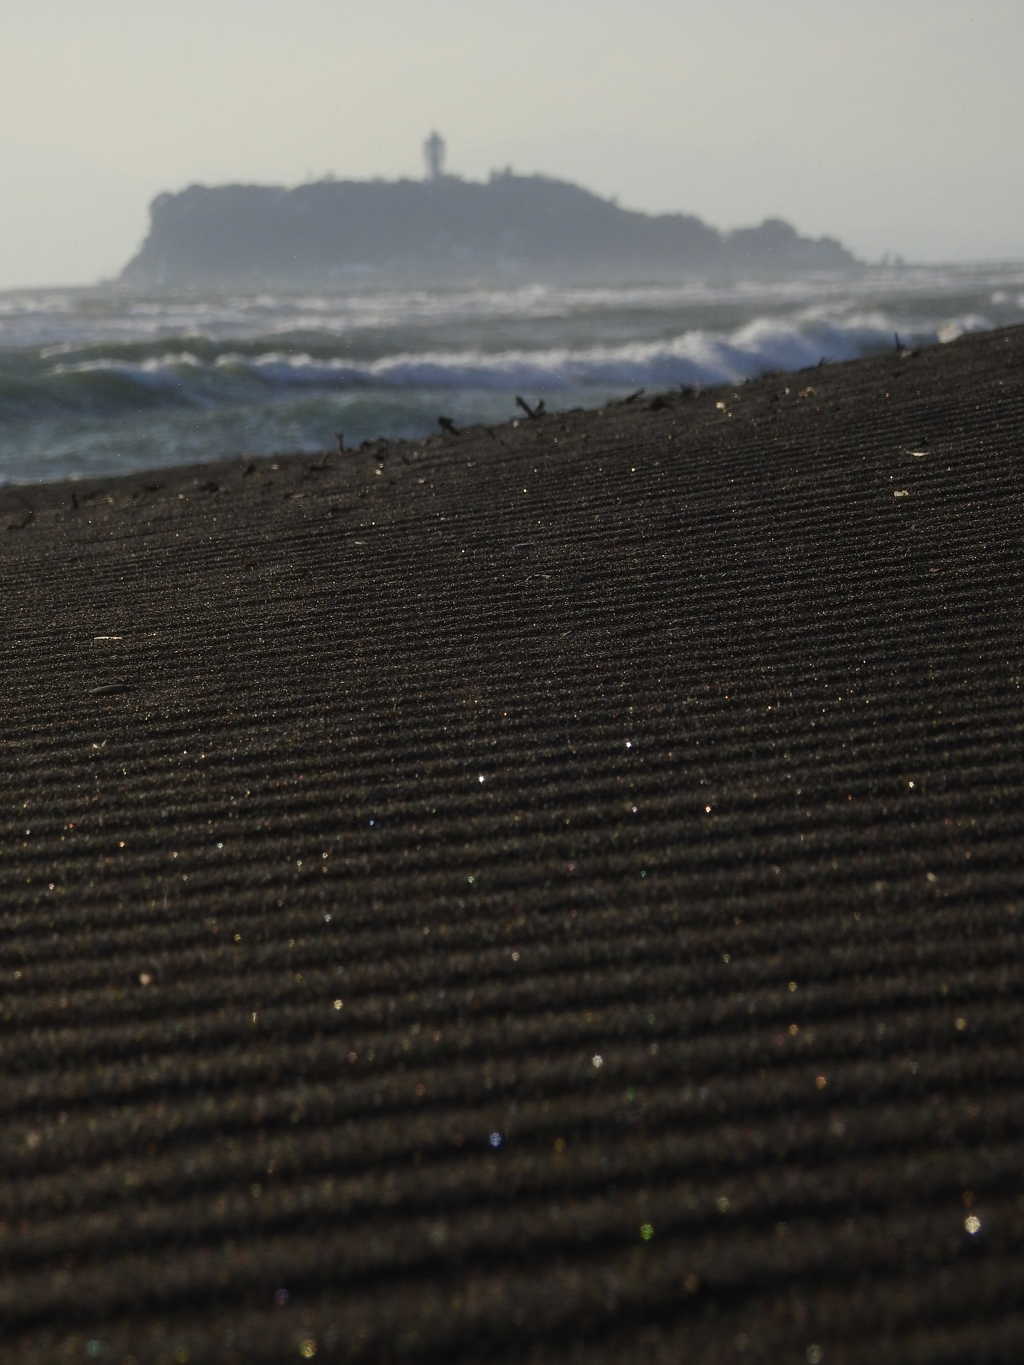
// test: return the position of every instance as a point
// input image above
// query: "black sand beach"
(550, 895)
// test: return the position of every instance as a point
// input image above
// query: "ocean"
(99, 381)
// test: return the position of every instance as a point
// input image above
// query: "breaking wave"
(229, 376)
(94, 382)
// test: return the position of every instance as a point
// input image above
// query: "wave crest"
(762, 345)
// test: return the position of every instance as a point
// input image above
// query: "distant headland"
(442, 229)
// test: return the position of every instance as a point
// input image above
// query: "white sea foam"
(60, 317)
(153, 368)
(760, 346)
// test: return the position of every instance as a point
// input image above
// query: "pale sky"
(895, 125)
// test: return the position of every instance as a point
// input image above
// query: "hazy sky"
(897, 126)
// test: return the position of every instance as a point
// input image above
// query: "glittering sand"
(549, 895)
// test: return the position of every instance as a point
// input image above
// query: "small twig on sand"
(530, 412)
(446, 424)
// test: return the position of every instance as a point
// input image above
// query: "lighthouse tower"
(433, 155)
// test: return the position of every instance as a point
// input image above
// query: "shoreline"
(104, 386)
(355, 466)
(537, 893)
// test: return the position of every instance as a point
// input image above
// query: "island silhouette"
(442, 229)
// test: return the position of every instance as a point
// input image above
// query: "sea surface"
(100, 381)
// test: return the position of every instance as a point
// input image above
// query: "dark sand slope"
(726, 943)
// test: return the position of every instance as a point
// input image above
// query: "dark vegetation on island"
(550, 893)
(509, 229)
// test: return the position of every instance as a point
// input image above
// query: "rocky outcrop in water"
(510, 228)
